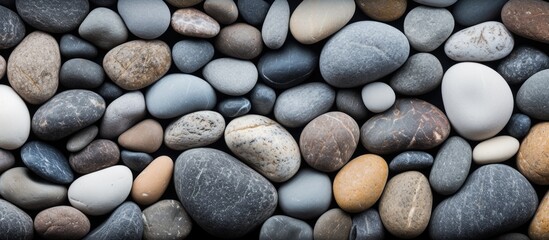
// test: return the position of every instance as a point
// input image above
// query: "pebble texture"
(146, 19)
(81, 73)
(136, 161)
(421, 74)
(166, 219)
(15, 223)
(522, 63)
(350, 101)
(189, 55)
(253, 11)
(281, 227)
(98, 155)
(539, 229)
(471, 12)
(151, 183)
(427, 28)
(519, 125)
(223, 11)
(56, 16)
(10, 20)
(145, 136)
(7, 160)
(194, 23)
(527, 18)
(47, 162)
(307, 195)
(333, 224)
(451, 166)
(262, 98)
(239, 40)
(72, 46)
(495, 150)
(411, 160)
(234, 107)
(532, 95)
(532, 158)
(121, 114)
(275, 27)
(104, 28)
(383, 10)
(196, 129)
(124, 223)
(378, 96)
(61, 222)
(367, 225)
(230, 76)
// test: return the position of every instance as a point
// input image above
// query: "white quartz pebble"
(14, 120)
(378, 96)
(494, 150)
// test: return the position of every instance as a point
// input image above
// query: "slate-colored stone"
(253, 11)
(470, 12)
(423, 31)
(97, 155)
(367, 225)
(7, 160)
(104, 28)
(136, 161)
(533, 96)
(519, 125)
(74, 47)
(421, 74)
(333, 224)
(350, 101)
(411, 160)
(124, 223)
(81, 73)
(276, 25)
(13, 28)
(146, 19)
(282, 227)
(306, 195)
(15, 223)
(263, 99)
(122, 114)
(109, 91)
(166, 219)
(47, 162)
(451, 166)
(82, 138)
(522, 63)
(56, 16)
(234, 107)
(189, 55)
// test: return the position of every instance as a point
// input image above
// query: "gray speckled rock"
(451, 166)
(7, 160)
(367, 225)
(411, 160)
(307, 195)
(350, 101)
(74, 47)
(519, 125)
(136, 161)
(56, 16)
(234, 107)
(471, 12)
(223, 195)
(299, 105)
(47, 162)
(333, 224)
(533, 96)
(494, 199)
(97, 155)
(276, 25)
(124, 223)
(384, 49)
(427, 28)
(109, 91)
(122, 114)
(282, 227)
(421, 74)
(263, 99)
(147, 19)
(66, 113)
(166, 219)
(522, 63)
(230, 76)
(15, 223)
(189, 55)
(104, 28)
(197, 129)
(13, 28)
(82, 138)
(81, 73)
(253, 11)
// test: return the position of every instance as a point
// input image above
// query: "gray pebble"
(522, 63)
(103, 3)
(470, 12)
(122, 113)
(7, 160)
(230, 76)
(109, 91)
(81, 73)
(276, 25)
(55, 16)
(263, 99)
(451, 166)
(82, 138)
(147, 19)
(421, 74)
(333, 224)
(350, 101)
(197, 129)
(47, 162)
(166, 219)
(306, 195)
(427, 28)
(367, 225)
(74, 47)
(13, 28)
(136, 161)
(124, 223)
(15, 223)
(519, 125)
(223, 11)
(280, 227)
(533, 96)
(411, 160)
(253, 11)
(512, 236)
(189, 55)
(104, 28)
(234, 107)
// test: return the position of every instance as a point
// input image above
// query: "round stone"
(146, 136)
(15, 129)
(350, 101)
(55, 16)
(451, 166)
(146, 19)
(367, 225)
(223, 11)
(538, 228)
(124, 223)
(512, 236)
(275, 27)
(411, 160)
(421, 74)
(234, 107)
(136, 161)
(471, 12)
(239, 40)
(109, 91)
(16, 223)
(189, 55)
(197, 129)
(307, 195)
(517, 15)
(495, 150)
(13, 28)
(378, 96)
(7, 160)
(533, 157)
(82, 138)
(183, 3)
(519, 125)
(124, 112)
(436, 3)
(194, 23)
(81, 73)
(166, 219)
(333, 224)
(522, 63)
(98, 155)
(153, 181)
(104, 28)
(47, 162)
(253, 11)
(382, 10)
(263, 99)
(72, 46)
(230, 76)
(281, 227)
(61, 222)
(533, 94)
(427, 28)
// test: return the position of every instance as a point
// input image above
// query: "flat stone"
(519, 125)
(427, 28)
(239, 40)
(153, 181)
(124, 112)
(166, 219)
(307, 195)
(234, 107)
(350, 101)
(263, 99)
(527, 19)
(13, 28)
(16, 224)
(53, 16)
(109, 91)
(82, 138)
(146, 136)
(233, 77)
(280, 227)
(223, 11)
(104, 28)
(61, 222)
(275, 27)
(72, 46)
(538, 228)
(487, 41)
(451, 166)
(333, 224)
(197, 129)
(532, 158)
(7, 160)
(146, 19)
(495, 150)
(136, 161)
(421, 74)
(189, 55)
(47, 162)
(436, 3)
(378, 96)
(81, 73)
(411, 160)
(124, 223)
(367, 225)
(522, 63)
(470, 12)
(183, 3)
(15, 128)
(192, 22)
(533, 94)
(253, 11)
(98, 155)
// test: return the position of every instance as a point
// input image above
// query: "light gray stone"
(276, 25)
(307, 195)
(189, 55)
(82, 138)
(147, 19)
(122, 113)
(427, 28)
(533, 96)
(230, 76)
(104, 28)
(282, 227)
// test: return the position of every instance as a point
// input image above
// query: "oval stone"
(183, 3)
(194, 23)
(233, 77)
(13, 28)
(367, 225)
(263, 99)
(7, 160)
(533, 94)
(15, 129)
(61, 222)
(253, 11)
(15, 223)
(146, 136)
(99, 154)
(436, 3)
(234, 107)
(496, 149)
(333, 224)
(223, 11)
(239, 40)
(533, 155)
(538, 228)
(522, 63)
(527, 18)
(124, 223)
(275, 27)
(519, 125)
(471, 12)
(197, 129)
(104, 28)
(47, 162)
(383, 10)
(284, 227)
(421, 74)
(427, 28)
(81, 73)
(307, 195)
(136, 161)
(147, 19)
(151, 183)
(189, 55)
(53, 16)
(166, 219)
(72, 46)
(2, 67)
(82, 138)
(121, 114)
(378, 96)
(411, 160)
(451, 166)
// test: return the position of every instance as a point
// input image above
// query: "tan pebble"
(145, 136)
(539, 227)
(61, 222)
(383, 10)
(152, 182)
(533, 155)
(494, 150)
(224, 11)
(239, 40)
(194, 23)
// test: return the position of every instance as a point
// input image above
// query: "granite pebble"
(421, 74)
(99, 154)
(522, 63)
(82, 138)
(13, 28)
(307, 195)
(192, 22)
(280, 227)
(451, 166)
(15, 223)
(55, 16)
(72, 46)
(189, 55)
(233, 77)
(197, 129)
(81, 73)
(146, 19)
(166, 219)
(234, 107)
(124, 223)
(411, 160)
(47, 162)
(427, 28)
(104, 28)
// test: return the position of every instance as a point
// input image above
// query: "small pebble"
(82, 138)
(13, 28)
(451, 166)
(150, 184)
(538, 228)
(411, 160)
(367, 225)
(61, 222)
(194, 23)
(532, 158)
(436, 3)
(124, 223)
(517, 17)
(104, 28)
(121, 114)
(197, 129)
(519, 125)
(533, 94)
(98, 155)
(183, 3)
(166, 219)
(136, 161)
(53, 16)
(72, 46)
(7, 160)
(223, 11)
(333, 224)
(383, 10)
(16, 128)
(378, 96)
(350, 101)
(145, 136)
(146, 19)
(47, 162)
(280, 227)
(16, 224)
(192, 54)
(109, 91)
(81, 73)
(234, 107)
(233, 77)
(421, 74)
(263, 99)
(495, 150)
(427, 28)
(253, 11)
(276, 25)
(239, 40)
(470, 12)
(522, 63)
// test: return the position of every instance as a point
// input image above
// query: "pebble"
(13, 28)
(411, 160)
(427, 28)
(15, 129)
(47, 162)
(166, 219)
(512, 236)
(233, 199)
(104, 28)
(471, 12)
(67, 113)
(109, 91)
(280, 227)
(124, 223)
(406, 117)
(189, 55)
(61, 222)
(136, 161)
(264, 145)
(24, 189)
(233, 77)
(328, 142)
(421, 74)
(406, 203)
(137, 64)
(72, 46)
(152, 182)
(197, 129)
(359, 184)
(262, 98)
(451, 166)
(183, 3)
(100, 192)
(103, 3)
(146, 19)
(275, 27)
(223, 11)
(239, 40)
(53, 16)
(99, 154)
(538, 228)
(479, 114)
(307, 195)
(495, 150)
(312, 21)
(33, 67)
(82, 138)
(287, 67)
(146, 136)
(522, 63)
(520, 18)
(494, 199)
(253, 11)
(7, 160)
(381, 10)
(436, 3)
(298, 105)
(124, 112)
(384, 49)
(81, 73)
(2, 67)
(378, 96)
(532, 158)
(15, 223)
(533, 94)
(191, 22)
(165, 100)
(333, 224)
(367, 225)
(350, 102)
(519, 125)
(234, 107)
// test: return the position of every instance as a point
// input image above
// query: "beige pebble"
(146, 136)
(151, 183)
(239, 40)
(383, 10)
(494, 150)
(197, 129)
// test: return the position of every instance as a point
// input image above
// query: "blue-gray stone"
(421, 74)
(124, 223)
(15, 223)
(12, 28)
(512, 236)
(55, 16)
(47, 162)
(519, 125)
(533, 96)
(451, 166)
(109, 91)
(147, 19)
(411, 160)
(263, 99)
(367, 225)
(82, 138)
(81, 73)
(189, 55)
(104, 28)
(253, 11)
(7, 160)
(350, 101)
(122, 114)
(136, 161)
(495, 199)
(522, 63)
(282, 227)
(471, 12)
(72, 46)
(222, 195)
(234, 107)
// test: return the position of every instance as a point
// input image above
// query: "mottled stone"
(527, 18)
(233, 77)
(239, 40)
(533, 157)
(166, 219)
(124, 223)
(16, 128)
(367, 225)
(109, 91)
(522, 63)
(81, 73)
(427, 28)
(145, 136)
(263, 99)
(275, 27)
(7, 160)
(253, 11)
(378, 96)
(223, 11)
(153, 181)
(383, 10)
(519, 125)
(197, 129)
(471, 12)
(98, 155)
(234, 107)
(146, 19)
(104, 28)
(533, 95)
(61, 222)
(350, 101)
(15, 223)
(47, 162)
(280, 227)
(82, 138)
(421, 74)
(189, 55)
(56, 16)
(72, 46)
(13, 28)
(183, 3)
(333, 224)
(495, 150)
(451, 166)
(124, 112)
(136, 161)
(306, 195)
(411, 160)
(194, 23)
(539, 226)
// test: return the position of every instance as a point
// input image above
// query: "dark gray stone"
(494, 199)
(15, 223)
(333, 224)
(263, 99)
(519, 125)
(223, 195)
(109, 91)
(166, 219)
(81, 73)
(122, 114)
(136, 161)
(282, 227)
(98, 155)
(367, 225)
(66, 113)
(74, 47)
(82, 138)
(522, 63)
(47, 162)
(234, 107)
(350, 101)
(124, 223)
(420, 74)
(7, 160)
(147, 19)
(451, 166)
(104, 28)
(104, 3)
(471, 12)
(512, 236)
(533, 96)
(56, 16)
(7, 3)
(253, 11)
(189, 55)
(411, 160)
(12, 28)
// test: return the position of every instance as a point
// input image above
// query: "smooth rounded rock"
(145, 136)
(136, 161)
(223, 11)
(280, 227)
(427, 28)
(522, 63)
(3, 67)
(15, 223)
(57, 16)
(333, 224)
(183, 3)
(121, 114)
(104, 28)
(276, 25)
(47, 162)
(382, 10)
(61, 222)
(103, 3)
(436, 3)
(72, 46)
(13, 28)
(495, 150)
(350, 101)
(82, 138)
(471, 12)
(306, 195)
(533, 94)
(451, 166)
(239, 40)
(263, 99)
(166, 219)
(519, 125)
(197, 129)
(421, 74)
(234, 107)
(7, 160)
(526, 18)
(411, 160)
(532, 158)
(16, 128)
(378, 96)
(367, 225)
(98, 155)
(230, 76)
(146, 19)
(109, 91)
(124, 223)
(81, 73)
(194, 23)
(253, 11)
(512, 236)
(152, 182)
(189, 55)
(539, 229)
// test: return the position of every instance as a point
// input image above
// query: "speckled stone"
(82, 138)
(15, 223)
(519, 125)
(61, 222)
(136, 161)
(350, 101)
(183, 3)
(539, 227)
(276, 25)
(471, 12)
(233, 77)
(234, 107)
(522, 63)
(109, 91)
(81, 73)
(7, 160)
(533, 95)
(421, 74)
(533, 157)
(263, 99)
(197, 129)
(306, 195)
(145, 136)
(13, 28)
(189, 55)
(166, 219)
(333, 224)
(98, 155)
(383, 10)
(411, 160)
(56, 16)
(253, 11)
(124, 223)
(192, 22)
(146, 19)
(72, 46)
(527, 18)
(223, 11)
(367, 225)
(280, 227)
(152, 182)
(47, 162)
(427, 28)
(451, 166)
(121, 114)
(239, 40)
(104, 28)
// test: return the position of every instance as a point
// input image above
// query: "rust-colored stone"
(383, 10)
(527, 18)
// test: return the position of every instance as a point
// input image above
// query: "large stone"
(98, 155)
(15, 223)
(522, 63)
(421, 74)
(233, 77)
(539, 227)
(280, 227)
(15, 128)
(427, 28)
(383, 10)
(239, 40)
(527, 18)
(275, 27)
(47, 162)
(367, 225)
(124, 223)
(197, 129)
(61, 222)
(192, 22)
(533, 94)
(333, 224)
(166, 219)
(533, 155)
(121, 114)
(151, 183)
(451, 166)
(104, 28)
(471, 12)
(13, 28)
(56, 16)
(146, 19)
(307, 195)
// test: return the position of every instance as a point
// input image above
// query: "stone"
(359, 184)
(298, 105)
(13, 28)
(99, 154)
(124, 223)
(197, 129)
(367, 225)
(312, 21)
(15, 223)
(307, 195)
(100, 192)
(166, 219)
(33, 67)
(72, 46)
(519, 125)
(495, 199)
(47, 162)
(487, 41)
(526, 19)
(275, 27)
(183, 3)
(61, 222)
(104, 28)
(234, 107)
(538, 228)
(239, 40)
(533, 94)
(451, 166)
(146, 136)
(427, 28)
(253, 11)
(82, 138)
(436, 3)
(512, 236)
(189, 55)
(350, 102)
(67, 113)
(470, 12)
(264, 145)
(479, 114)
(384, 50)
(2, 67)
(223, 11)
(53, 16)
(165, 100)
(136, 161)
(7, 160)
(233, 199)
(411, 160)
(192, 22)
(16, 128)
(384, 11)
(28, 191)
(124, 112)
(495, 150)
(81, 73)
(421, 74)
(280, 227)
(144, 18)
(233, 77)
(522, 63)
(103, 3)
(532, 158)
(152, 182)
(328, 142)
(333, 224)
(287, 67)
(137, 64)
(109, 91)
(263, 99)
(378, 96)
(419, 124)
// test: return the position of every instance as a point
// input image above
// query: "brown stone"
(359, 184)
(333, 224)
(239, 40)
(61, 222)
(145, 136)
(137, 64)
(2, 67)
(383, 10)
(33, 67)
(527, 18)
(99, 154)
(183, 3)
(539, 227)
(151, 183)
(533, 155)
(224, 11)
(329, 141)
(194, 23)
